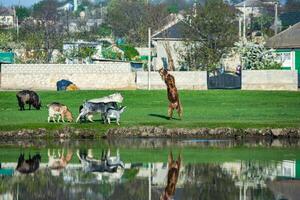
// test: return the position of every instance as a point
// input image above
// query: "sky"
(26, 3)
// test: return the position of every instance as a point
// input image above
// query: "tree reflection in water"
(42, 185)
(241, 180)
(212, 181)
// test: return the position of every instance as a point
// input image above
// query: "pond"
(138, 169)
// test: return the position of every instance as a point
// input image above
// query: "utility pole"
(276, 18)
(244, 28)
(240, 27)
(149, 180)
(17, 28)
(149, 58)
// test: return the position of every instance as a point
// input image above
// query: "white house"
(170, 36)
(7, 17)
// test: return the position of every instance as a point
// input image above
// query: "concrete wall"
(269, 80)
(107, 75)
(196, 80)
(118, 75)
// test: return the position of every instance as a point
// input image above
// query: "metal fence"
(225, 80)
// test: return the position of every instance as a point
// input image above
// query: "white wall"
(107, 75)
(269, 80)
(196, 80)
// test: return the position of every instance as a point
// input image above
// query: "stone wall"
(269, 80)
(196, 80)
(107, 75)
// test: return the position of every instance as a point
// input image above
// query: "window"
(286, 56)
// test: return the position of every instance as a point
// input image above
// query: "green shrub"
(130, 53)
(110, 54)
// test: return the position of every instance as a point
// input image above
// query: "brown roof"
(289, 38)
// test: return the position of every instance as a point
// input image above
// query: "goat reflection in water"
(106, 163)
(30, 165)
(59, 161)
(173, 173)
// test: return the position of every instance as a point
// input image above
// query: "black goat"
(28, 97)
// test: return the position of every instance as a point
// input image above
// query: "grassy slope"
(215, 108)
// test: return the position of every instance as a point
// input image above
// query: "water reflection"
(230, 180)
(152, 143)
(57, 160)
(106, 163)
(30, 165)
(80, 170)
(172, 177)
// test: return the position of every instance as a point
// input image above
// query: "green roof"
(6, 57)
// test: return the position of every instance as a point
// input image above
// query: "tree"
(5, 39)
(263, 23)
(131, 19)
(213, 31)
(46, 26)
(22, 12)
(292, 6)
(125, 18)
(291, 13)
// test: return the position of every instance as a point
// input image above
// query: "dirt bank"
(154, 132)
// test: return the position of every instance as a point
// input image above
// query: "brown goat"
(60, 110)
(173, 173)
(172, 93)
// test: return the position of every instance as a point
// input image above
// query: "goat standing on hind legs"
(172, 93)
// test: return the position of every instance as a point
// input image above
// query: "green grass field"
(214, 108)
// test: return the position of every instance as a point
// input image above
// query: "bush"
(256, 56)
(110, 54)
(130, 53)
(104, 31)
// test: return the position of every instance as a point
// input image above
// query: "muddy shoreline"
(153, 132)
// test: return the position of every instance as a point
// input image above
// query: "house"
(287, 46)
(250, 7)
(7, 17)
(171, 37)
(66, 7)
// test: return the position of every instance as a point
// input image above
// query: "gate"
(225, 80)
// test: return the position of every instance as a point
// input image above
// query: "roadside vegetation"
(214, 108)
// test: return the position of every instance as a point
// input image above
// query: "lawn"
(213, 108)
